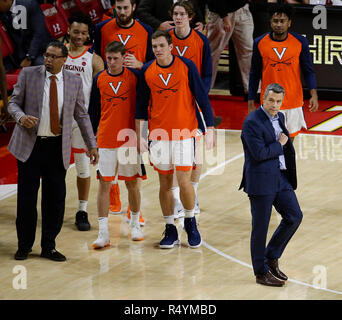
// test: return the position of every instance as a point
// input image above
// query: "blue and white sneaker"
(194, 237)
(171, 237)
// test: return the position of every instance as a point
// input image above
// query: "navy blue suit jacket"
(261, 171)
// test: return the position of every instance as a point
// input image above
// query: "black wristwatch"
(29, 57)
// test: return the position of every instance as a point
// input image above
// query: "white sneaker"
(136, 233)
(101, 241)
(178, 210)
(197, 208)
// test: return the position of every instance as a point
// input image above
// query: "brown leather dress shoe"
(268, 279)
(274, 269)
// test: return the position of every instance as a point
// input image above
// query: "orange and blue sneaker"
(115, 203)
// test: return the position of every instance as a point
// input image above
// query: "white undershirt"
(44, 124)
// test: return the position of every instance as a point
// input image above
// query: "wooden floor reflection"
(220, 269)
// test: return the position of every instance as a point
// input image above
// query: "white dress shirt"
(277, 131)
(44, 124)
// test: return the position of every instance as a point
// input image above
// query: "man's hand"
(4, 116)
(227, 23)
(132, 62)
(166, 25)
(199, 26)
(93, 155)
(313, 103)
(251, 106)
(25, 63)
(210, 141)
(283, 139)
(28, 121)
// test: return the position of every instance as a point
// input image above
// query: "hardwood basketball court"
(220, 269)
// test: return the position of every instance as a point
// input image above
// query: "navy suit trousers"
(285, 202)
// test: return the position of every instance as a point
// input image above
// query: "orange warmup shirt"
(112, 106)
(282, 62)
(136, 38)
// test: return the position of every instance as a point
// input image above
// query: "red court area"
(233, 110)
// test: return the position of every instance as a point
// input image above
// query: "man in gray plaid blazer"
(41, 142)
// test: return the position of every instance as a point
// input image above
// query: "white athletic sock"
(135, 216)
(169, 219)
(82, 205)
(103, 224)
(189, 213)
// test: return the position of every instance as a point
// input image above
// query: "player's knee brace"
(82, 165)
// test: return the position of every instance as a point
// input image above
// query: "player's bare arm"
(98, 64)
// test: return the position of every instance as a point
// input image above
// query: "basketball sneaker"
(171, 237)
(101, 241)
(128, 218)
(197, 208)
(115, 203)
(194, 237)
(81, 221)
(136, 233)
(178, 210)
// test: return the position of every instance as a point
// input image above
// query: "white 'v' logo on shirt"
(124, 42)
(181, 53)
(115, 89)
(280, 55)
(166, 82)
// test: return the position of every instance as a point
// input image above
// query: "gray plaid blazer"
(27, 99)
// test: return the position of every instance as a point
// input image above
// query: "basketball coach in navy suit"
(269, 179)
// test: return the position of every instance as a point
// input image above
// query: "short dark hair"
(285, 8)
(187, 5)
(81, 18)
(132, 1)
(60, 45)
(115, 46)
(162, 33)
(275, 87)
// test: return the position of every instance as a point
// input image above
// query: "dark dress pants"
(44, 162)
(285, 202)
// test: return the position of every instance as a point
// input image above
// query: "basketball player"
(112, 110)
(192, 45)
(169, 85)
(133, 34)
(86, 64)
(136, 37)
(279, 57)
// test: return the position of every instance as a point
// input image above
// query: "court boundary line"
(231, 258)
